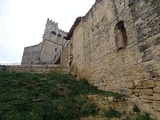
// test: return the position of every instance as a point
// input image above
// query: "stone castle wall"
(35, 68)
(116, 46)
(31, 54)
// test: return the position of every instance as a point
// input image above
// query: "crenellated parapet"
(52, 30)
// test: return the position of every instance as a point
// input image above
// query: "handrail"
(56, 56)
(60, 51)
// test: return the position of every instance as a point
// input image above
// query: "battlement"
(53, 26)
(51, 23)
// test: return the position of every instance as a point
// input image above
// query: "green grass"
(31, 96)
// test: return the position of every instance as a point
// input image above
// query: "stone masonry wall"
(65, 55)
(31, 54)
(99, 54)
(35, 68)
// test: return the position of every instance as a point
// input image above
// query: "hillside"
(28, 96)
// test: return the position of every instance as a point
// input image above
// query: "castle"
(115, 46)
(48, 51)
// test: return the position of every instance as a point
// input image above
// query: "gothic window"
(121, 37)
(55, 49)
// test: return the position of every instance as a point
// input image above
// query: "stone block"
(157, 83)
(130, 85)
(156, 105)
(146, 101)
(148, 68)
(148, 84)
(147, 97)
(154, 74)
(137, 83)
(126, 91)
(157, 79)
(137, 90)
(156, 96)
(156, 89)
(146, 106)
(147, 92)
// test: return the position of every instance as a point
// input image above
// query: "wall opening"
(121, 36)
(53, 32)
(59, 35)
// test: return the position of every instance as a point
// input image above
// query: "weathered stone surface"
(38, 68)
(149, 68)
(156, 105)
(137, 90)
(130, 85)
(148, 84)
(137, 83)
(110, 99)
(157, 83)
(156, 89)
(154, 74)
(146, 101)
(156, 96)
(147, 106)
(126, 91)
(158, 115)
(147, 97)
(147, 92)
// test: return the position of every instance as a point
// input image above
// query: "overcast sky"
(22, 22)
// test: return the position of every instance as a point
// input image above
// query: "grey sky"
(22, 22)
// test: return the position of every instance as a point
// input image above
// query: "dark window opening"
(65, 37)
(53, 32)
(59, 35)
(121, 36)
(55, 49)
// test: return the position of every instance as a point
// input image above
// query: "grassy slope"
(27, 96)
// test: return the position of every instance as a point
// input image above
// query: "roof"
(70, 33)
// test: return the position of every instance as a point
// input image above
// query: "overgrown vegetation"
(136, 109)
(28, 96)
(144, 117)
(111, 113)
